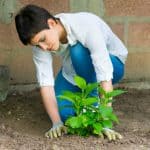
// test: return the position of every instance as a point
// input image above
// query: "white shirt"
(95, 35)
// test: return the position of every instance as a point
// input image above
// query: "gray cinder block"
(7, 10)
(4, 82)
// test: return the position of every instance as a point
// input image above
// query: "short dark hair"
(30, 20)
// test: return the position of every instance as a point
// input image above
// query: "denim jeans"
(83, 66)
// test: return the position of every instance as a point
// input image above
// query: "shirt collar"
(70, 37)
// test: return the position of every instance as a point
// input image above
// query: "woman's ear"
(51, 23)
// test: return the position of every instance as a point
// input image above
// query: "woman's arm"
(108, 87)
(50, 103)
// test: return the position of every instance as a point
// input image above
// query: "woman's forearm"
(50, 103)
(108, 87)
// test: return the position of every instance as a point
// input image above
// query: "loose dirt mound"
(23, 122)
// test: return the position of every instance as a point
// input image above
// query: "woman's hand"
(111, 134)
(56, 131)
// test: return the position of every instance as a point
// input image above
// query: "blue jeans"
(83, 66)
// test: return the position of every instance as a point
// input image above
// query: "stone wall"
(129, 19)
(17, 56)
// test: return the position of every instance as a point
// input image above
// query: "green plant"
(92, 113)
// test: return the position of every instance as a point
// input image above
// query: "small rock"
(9, 112)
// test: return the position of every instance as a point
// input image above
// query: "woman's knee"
(78, 52)
(119, 75)
(118, 69)
(82, 62)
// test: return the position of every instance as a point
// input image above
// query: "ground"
(23, 122)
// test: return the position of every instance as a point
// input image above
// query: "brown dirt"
(23, 122)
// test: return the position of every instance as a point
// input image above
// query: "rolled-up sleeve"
(43, 63)
(95, 42)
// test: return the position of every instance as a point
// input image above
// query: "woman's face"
(47, 39)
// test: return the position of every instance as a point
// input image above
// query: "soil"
(23, 122)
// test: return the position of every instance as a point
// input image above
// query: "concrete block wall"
(134, 16)
(19, 57)
(129, 19)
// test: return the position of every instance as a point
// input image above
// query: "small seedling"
(92, 113)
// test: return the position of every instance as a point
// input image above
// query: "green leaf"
(66, 98)
(114, 93)
(90, 87)
(110, 101)
(65, 106)
(114, 118)
(78, 95)
(71, 130)
(105, 111)
(84, 120)
(74, 122)
(107, 124)
(101, 91)
(80, 82)
(89, 101)
(69, 94)
(97, 128)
